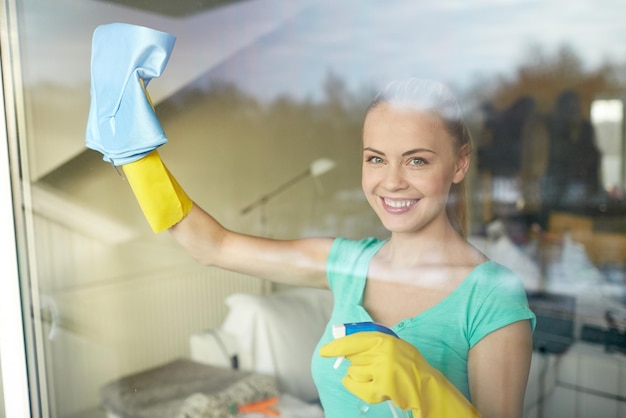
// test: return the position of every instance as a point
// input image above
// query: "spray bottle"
(342, 330)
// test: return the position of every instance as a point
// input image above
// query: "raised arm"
(123, 126)
(298, 262)
(166, 206)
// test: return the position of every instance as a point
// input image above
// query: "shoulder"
(351, 257)
(498, 297)
(345, 245)
(495, 286)
(493, 274)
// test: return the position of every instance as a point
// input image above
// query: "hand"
(122, 124)
(384, 367)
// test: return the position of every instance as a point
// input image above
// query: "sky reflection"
(289, 48)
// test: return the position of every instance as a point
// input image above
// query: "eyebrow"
(404, 154)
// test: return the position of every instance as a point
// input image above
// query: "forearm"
(299, 262)
(200, 235)
(162, 200)
(166, 206)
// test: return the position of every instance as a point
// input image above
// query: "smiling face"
(409, 164)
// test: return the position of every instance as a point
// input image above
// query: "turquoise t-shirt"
(490, 297)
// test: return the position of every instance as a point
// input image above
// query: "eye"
(374, 159)
(417, 162)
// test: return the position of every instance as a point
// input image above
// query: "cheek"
(368, 178)
(432, 184)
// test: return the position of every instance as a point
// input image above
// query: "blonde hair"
(432, 96)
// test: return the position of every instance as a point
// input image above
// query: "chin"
(400, 227)
(407, 224)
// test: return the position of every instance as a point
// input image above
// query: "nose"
(394, 179)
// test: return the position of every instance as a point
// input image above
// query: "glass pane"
(255, 92)
(2, 414)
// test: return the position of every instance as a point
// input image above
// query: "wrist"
(163, 201)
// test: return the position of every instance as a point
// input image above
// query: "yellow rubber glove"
(163, 202)
(384, 367)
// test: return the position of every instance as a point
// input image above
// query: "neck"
(437, 245)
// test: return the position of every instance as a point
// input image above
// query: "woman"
(463, 321)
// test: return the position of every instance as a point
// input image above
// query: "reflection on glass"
(255, 91)
(607, 116)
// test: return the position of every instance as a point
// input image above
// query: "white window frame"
(12, 342)
(22, 378)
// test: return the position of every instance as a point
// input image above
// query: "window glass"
(255, 91)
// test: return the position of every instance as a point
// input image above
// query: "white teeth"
(399, 203)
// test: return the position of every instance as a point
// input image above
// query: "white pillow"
(277, 334)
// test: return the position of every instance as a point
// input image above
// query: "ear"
(462, 164)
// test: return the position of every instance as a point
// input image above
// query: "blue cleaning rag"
(122, 124)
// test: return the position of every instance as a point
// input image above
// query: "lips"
(398, 205)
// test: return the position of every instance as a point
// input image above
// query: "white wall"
(105, 317)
